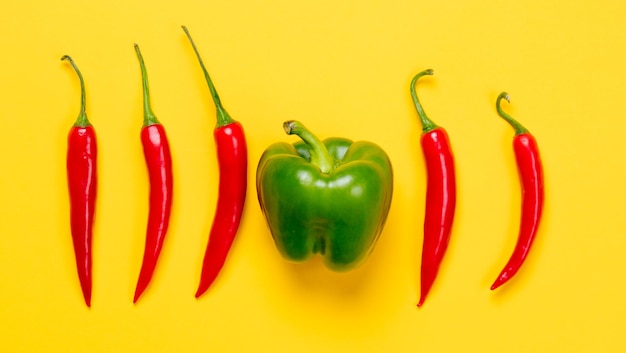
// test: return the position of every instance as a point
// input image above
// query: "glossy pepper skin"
(82, 177)
(158, 158)
(232, 157)
(440, 194)
(328, 197)
(530, 171)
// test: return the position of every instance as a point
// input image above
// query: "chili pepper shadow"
(505, 239)
(58, 176)
(418, 196)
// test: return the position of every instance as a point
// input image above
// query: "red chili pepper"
(232, 156)
(82, 177)
(440, 194)
(531, 179)
(156, 150)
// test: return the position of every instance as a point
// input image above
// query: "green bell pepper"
(328, 197)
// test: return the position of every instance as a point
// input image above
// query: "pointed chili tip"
(497, 283)
(422, 299)
(87, 295)
(138, 292)
(205, 283)
(199, 292)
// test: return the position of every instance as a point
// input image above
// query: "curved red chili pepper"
(232, 157)
(82, 177)
(156, 151)
(440, 194)
(531, 179)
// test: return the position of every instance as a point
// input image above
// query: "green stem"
(148, 115)
(223, 118)
(82, 120)
(519, 129)
(427, 124)
(319, 153)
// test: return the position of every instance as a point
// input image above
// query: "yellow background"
(343, 68)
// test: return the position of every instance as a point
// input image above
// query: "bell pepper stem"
(223, 118)
(427, 124)
(519, 128)
(82, 120)
(148, 115)
(319, 153)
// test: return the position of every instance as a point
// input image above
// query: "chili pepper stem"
(82, 120)
(519, 129)
(148, 115)
(223, 118)
(427, 124)
(319, 153)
